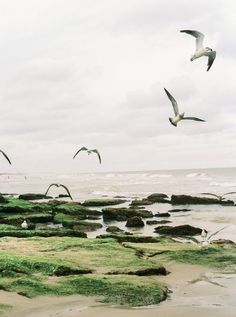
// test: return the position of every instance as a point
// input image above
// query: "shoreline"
(187, 282)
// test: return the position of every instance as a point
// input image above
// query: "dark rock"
(135, 222)
(192, 200)
(143, 272)
(163, 221)
(152, 222)
(113, 229)
(87, 226)
(158, 198)
(130, 238)
(63, 196)
(42, 233)
(33, 196)
(141, 202)
(123, 214)
(162, 214)
(64, 271)
(179, 210)
(103, 202)
(183, 230)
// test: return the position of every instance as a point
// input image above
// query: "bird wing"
(173, 101)
(199, 37)
(217, 196)
(193, 118)
(99, 156)
(4, 154)
(230, 193)
(50, 187)
(81, 149)
(214, 233)
(67, 190)
(211, 57)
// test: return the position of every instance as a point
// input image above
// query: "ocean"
(141, 184)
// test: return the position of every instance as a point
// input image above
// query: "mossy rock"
(182, 230)
(42, 233)
(74, 208)
(32, 196)
(161, 270)
(33, 218)
(123, 214)
(130, 238)
(141, 202)
(3, 200)
(162, 214)
(158, 198)
(75, 223)
(135, 222)
(100, 202)
(192, 200)
(114, 229)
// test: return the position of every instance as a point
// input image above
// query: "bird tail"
(182, 115)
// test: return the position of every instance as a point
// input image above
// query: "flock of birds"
(199, 52)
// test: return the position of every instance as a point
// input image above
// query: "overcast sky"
(91, 73)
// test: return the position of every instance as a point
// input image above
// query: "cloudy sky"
(91, 73)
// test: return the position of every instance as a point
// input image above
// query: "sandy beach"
(196, 291)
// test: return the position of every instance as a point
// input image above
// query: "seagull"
(220, 197)
(206, 237)
(6, 157)
(200, 50)
(89, 152)
(24, 225)
(178, 117)
(59, 185)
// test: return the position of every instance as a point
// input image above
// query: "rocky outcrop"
(141, 202)
(135, 222)
(179, 210)
(100, 202)
(31, 196)
(162, 214)
(192, 200)
(183, 230)
(158, 198)
(114, 229)
(123, 214)
(143, 272)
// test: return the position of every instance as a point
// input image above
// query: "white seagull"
(89, 152)
(200, 50)
(178, 117)
(24, 225)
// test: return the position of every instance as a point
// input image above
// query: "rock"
(33, 196)
(152, 222)
(130, 238)
(87, 226)
(192, 200)
(135, 222)
(123, 214)
(179, 210)
(183, 230)
(103, 202)
(65, 271)
(143, 272)
(114, 229)
(42, 233)
(141, 202)
(162, 214)
(158, 198)
(63, 196)
(162, 221)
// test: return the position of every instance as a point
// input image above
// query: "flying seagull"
(89, 152)
(59, 185)
(178, 117)
(220, 197)
(4, 154)
(200, 50)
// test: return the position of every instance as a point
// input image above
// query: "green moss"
(6, 227)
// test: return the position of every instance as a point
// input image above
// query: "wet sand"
(196, 291)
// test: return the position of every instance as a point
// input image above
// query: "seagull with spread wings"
(200, 50)
(6, 157)
(89, 152)
(59, 185)
(178, 117)
(220, 197)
